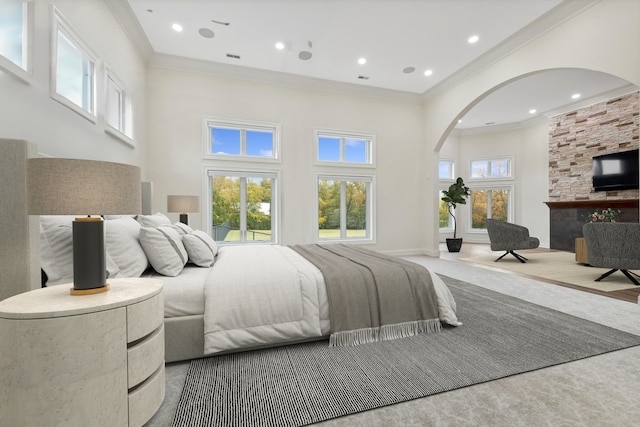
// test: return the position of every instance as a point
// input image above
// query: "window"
(492, 168)
(15, 29)
(444, 218)
(345, 207)
(490, 202)
(118, 107)
(347, 149)
(446, 169)
(243, 206)
(446, 174)
(238, 140)
(73, 70)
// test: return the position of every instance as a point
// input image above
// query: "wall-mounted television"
(616, 171)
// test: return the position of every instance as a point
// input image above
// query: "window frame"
(449, 227)
(125, 132)
(211, 170)
(60, 25)
(243, 126)
(489, 187)
(488, 160)
(370, 207)
(368, 137)
(443, 184)
(23, 72)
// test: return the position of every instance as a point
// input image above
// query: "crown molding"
(506, 127)
(121, 10)
(546, 115)
(596, 99)
(550, 20)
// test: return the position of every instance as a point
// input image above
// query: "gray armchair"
(508, 237)
(614, 245)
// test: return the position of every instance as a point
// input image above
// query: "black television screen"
(616, 171)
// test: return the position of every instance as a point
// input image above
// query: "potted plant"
(456, 195)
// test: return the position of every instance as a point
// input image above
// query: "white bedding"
(261, 295)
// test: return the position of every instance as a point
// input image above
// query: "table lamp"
(74, 186)
(183, 205)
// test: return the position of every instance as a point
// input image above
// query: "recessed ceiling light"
(575, 96)
(473, 39)
(533, 111)
(428, 72)
(305, 55)
(362, 61)
(177, 27)
(409, 70)
(279, 45)
(206, 33)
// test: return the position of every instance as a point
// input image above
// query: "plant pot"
(454, 245)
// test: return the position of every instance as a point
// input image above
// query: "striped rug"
(305, 383)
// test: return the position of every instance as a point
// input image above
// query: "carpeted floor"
(559, 266)
(307, 383)
(600, 390)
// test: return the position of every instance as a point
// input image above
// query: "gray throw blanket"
(372, 296)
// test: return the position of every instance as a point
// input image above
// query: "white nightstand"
(82, 360)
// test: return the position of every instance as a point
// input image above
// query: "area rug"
(559, 266)
(305, 383)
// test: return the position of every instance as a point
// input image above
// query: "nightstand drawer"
(144, 317)
(145, 357)
(145, 400)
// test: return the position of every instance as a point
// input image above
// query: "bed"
(239, 297)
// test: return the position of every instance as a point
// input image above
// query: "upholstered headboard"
(19, 232)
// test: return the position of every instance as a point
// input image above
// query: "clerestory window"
(73, 70)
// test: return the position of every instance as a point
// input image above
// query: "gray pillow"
(164, 249)
(201, 248)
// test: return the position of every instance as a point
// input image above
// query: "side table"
(82, 360)
(581, 251)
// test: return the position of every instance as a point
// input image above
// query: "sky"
(260, 144)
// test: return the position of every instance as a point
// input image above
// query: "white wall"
(528, 146)
(28, 112)
(177, 102)
(605, 37)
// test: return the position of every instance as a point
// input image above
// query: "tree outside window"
(241, 208)
(343, 208)
(489, 203)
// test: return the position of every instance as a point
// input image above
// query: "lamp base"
(89, 260)
(184, 218)
(93, 291)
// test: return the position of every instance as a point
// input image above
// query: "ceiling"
(400, 40)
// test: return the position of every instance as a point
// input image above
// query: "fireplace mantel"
(587, 204)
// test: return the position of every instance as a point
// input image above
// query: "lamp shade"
(183, 204)
(84, 187)
(74, 186)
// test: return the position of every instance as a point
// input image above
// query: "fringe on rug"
(383, 333)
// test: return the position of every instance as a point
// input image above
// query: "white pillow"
(164, 249)
(182, 228)
(154, 220)
(123, 248)
(201, 248)
(56, 248)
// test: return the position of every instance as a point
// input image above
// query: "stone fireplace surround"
(574, 139)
